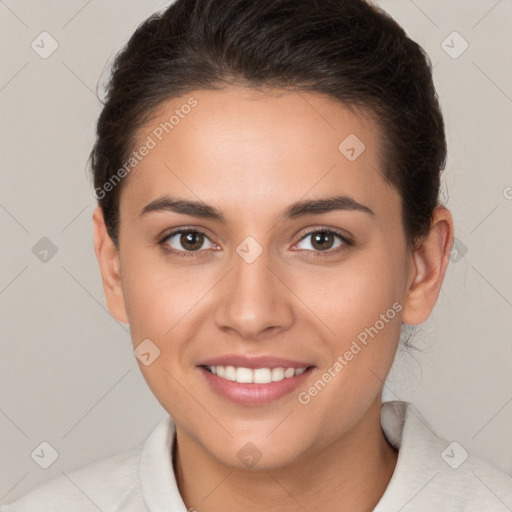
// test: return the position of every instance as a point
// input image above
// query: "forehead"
(239, 146)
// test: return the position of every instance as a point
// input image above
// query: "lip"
(254, 394)
(253, 362)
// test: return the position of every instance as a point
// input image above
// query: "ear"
(108, 259)
(429, 262)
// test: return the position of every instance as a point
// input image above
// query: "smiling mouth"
(244, 375)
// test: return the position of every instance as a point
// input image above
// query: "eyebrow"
(298, 209)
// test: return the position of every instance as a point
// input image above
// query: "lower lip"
(253, 394)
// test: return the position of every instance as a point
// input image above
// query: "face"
(265, 272)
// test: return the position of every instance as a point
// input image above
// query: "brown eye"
(191, 241)
(186, 240)
(324, 242)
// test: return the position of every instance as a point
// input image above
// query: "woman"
(267, 176)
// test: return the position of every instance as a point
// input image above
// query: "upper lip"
(253, 362)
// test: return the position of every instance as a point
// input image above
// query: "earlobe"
(428, 266)
(108, 260)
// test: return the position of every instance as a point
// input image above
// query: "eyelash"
(187, 254)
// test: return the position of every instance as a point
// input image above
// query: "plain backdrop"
(68, 376)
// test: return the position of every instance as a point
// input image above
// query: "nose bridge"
(252, 299)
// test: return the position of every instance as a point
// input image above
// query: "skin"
(251, 154)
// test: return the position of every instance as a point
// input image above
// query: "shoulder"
(433, 473)
(100, 485)
(480, 481)
(466, 482)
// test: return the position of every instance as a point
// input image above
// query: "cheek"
(361, 306)
(160, 301)
(360, 303)
(352, 295)
(167, 304)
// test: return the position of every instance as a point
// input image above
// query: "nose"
(253, 299)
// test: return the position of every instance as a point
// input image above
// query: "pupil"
(191, 240)
(322, 237)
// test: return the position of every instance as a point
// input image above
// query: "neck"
(350, 474)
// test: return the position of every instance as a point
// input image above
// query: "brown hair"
(349, 50)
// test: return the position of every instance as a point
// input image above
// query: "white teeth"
(289, 372)
(243, 375)
(257, 376)
(230, 373)
(277, 374)
(262, 376)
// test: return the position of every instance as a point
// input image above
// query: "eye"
(189, 242)
(183, 241)
(325, 241)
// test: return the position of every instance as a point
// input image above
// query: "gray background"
(67, 373)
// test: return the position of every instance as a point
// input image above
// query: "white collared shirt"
(431, 475)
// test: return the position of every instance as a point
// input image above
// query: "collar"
(401, 423)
